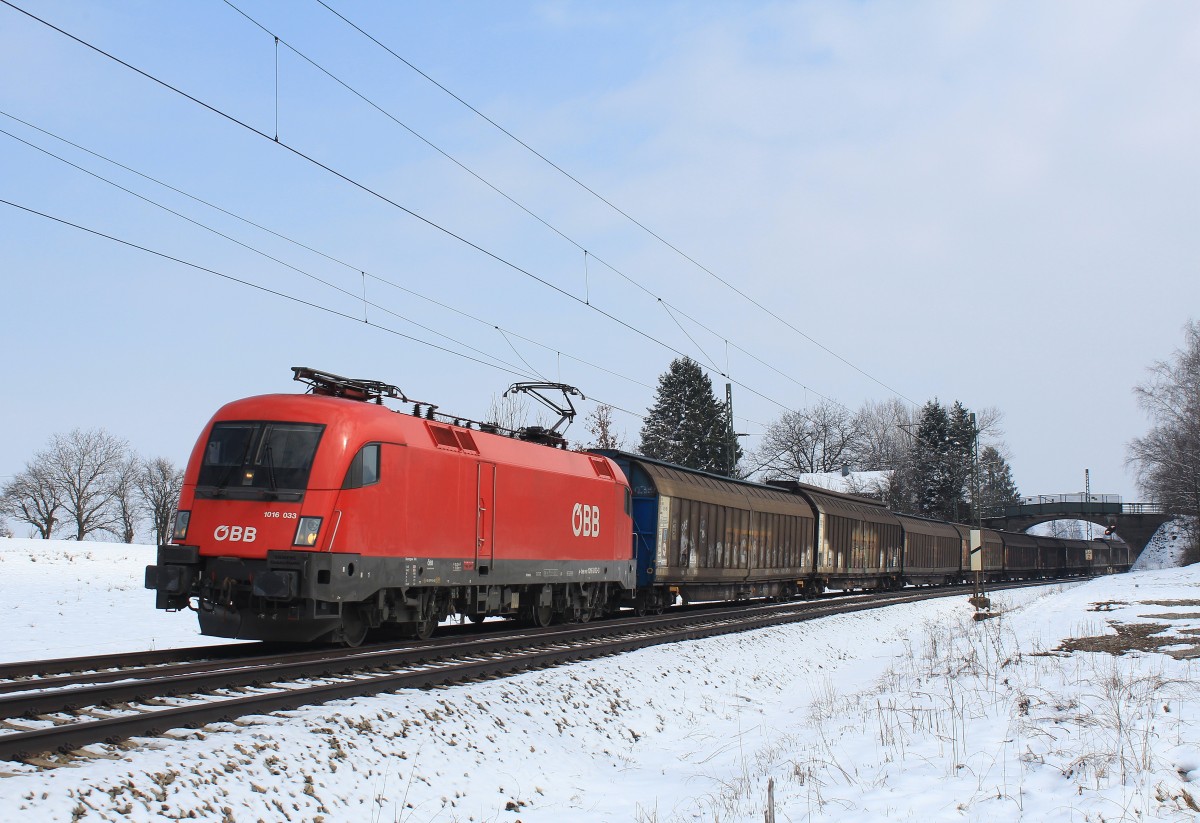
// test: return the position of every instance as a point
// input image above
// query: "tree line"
(944, 462)
(90, 482)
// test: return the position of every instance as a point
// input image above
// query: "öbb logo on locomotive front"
(585, 520)
(234, 534)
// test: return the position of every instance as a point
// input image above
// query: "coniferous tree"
(933, 480)
(960, 456)
(996, 486)
(687, 425)
(940, 476)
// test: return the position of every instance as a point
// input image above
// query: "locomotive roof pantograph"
(565, 411)
(327, 384)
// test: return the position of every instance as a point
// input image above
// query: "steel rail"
(63, 665)
(107, 688)
(60, 672)
(429, 665)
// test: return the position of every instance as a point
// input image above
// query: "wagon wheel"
(354, 627)
(643, 603)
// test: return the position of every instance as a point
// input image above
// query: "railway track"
(58, 706)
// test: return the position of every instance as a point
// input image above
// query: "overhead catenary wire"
(270, 257)
(674, 312)
(250, 284)
(617, 209)
(367, 189)
(277, 293)
(508, 333)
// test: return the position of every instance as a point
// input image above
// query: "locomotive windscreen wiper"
(270, 463)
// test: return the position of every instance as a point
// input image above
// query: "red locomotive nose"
(323, 516)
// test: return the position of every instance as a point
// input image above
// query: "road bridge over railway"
(1135, 523)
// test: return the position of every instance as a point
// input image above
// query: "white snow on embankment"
(1165, 549)
(59, 598)
(914, 712)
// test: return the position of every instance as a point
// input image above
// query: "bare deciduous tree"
(884, 444)
(159, 483)
(988, 423)
(509, 413)
(33, 497)
(820, 438)
(1066, 529)
(1167, 459)
(85, 467)
(603, 430)
(127, 503)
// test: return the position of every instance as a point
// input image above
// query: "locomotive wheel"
(422, 629)
(354, 627)
(542, 616)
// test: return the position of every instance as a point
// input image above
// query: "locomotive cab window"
(258, 460)
(364, 468)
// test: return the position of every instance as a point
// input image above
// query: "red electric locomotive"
(324, 515)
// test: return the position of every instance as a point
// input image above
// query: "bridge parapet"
(1082, 505)
(1073, 506)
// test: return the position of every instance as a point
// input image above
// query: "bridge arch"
(1135, 523)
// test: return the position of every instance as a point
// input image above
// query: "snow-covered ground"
(60, 598)
(915, 712)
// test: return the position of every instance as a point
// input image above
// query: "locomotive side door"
(485, 517)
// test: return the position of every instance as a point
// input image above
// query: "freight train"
(326, 515)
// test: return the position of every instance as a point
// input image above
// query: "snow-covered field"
(60, 598)
(911, 713)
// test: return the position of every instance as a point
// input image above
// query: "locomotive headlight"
(179, 532)
(306, 532)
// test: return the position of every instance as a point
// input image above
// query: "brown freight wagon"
(859, 542)
(933, 551)
(722, 539)
(1020, 555)
(993, 552)
(1078, 557)
(1052, 555)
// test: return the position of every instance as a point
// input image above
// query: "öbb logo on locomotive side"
(585, 520)
(234, 534)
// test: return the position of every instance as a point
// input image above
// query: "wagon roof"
(924, 525)
(678, 481)
(840, 504)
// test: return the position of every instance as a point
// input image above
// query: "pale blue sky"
(990, 202)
